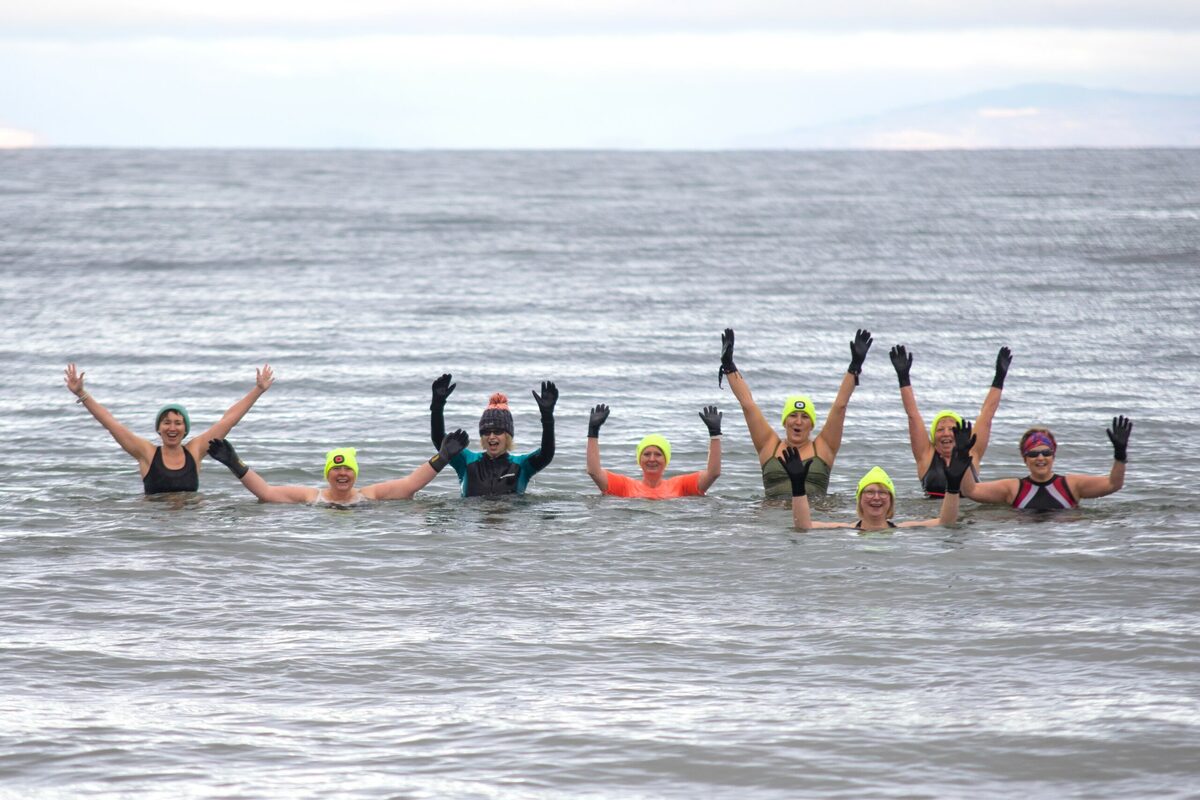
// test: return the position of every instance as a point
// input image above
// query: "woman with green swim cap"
(799, 420)
(653, 456)
(341, 473)
(172, 466)
(876, 496)
(932, 449)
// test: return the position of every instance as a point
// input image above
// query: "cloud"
(322, 18)
(1007, 113)
(14, 138)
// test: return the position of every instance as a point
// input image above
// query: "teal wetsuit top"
(481, 475)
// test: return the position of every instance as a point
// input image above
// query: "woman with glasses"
(876, 496)
(1045, 490)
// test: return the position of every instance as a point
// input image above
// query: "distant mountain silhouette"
(1028, 116)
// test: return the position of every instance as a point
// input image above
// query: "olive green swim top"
(776, 482)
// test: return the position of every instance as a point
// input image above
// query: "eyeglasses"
(876, 493)
(1040, 454)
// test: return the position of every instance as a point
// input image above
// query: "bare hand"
(74, 380)
(263, 378)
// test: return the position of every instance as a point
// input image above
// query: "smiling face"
(876, 503)
(341, 479)
(172, 427)
(943, 436)
(1040, 462)
(652, 461)
(495, 442)
(797, 428)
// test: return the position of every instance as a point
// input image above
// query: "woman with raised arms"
(494, 469)
(876, 496)
(1045, 490)
(799, 420)
(341, 475)
(173, 466)
(653, 456)
(932, 449)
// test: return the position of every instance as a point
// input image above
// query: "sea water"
(563, 643)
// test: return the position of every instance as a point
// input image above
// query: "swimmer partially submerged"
(341, 475)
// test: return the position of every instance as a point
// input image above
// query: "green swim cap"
(654, 440)
(799, 402)
(341, 457)
(938, 417)
(178, 409)
(875, 475)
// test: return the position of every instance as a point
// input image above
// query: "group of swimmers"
(796, 464)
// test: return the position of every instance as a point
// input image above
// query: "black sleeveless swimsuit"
(934, 480)
(159, 479)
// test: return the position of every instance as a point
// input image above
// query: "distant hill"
(1029, 116)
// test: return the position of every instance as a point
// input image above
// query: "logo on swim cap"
(339, 459)
(799, 403)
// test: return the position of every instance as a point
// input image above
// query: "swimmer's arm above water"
(763, 437)
(263, 378)
(221, 450)
(829, 441)
(596, 472)
(404, 488)
(712, 470)
(130, 442)
(797, 470)
(1084, 486)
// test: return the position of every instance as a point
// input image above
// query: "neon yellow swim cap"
(654, 440)
(341, 457)
(938, 417)
(799, 402)
(875, 475)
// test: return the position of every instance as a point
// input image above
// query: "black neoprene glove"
(1118, 434)
(727, 365)
(442, 388)
(547, 399)
(960, 459)
(797, 469)
(858, 353)
(597, 418)
(452, 445)
(712, 418)
(221, 450)
(902, 361)
(1003, 362)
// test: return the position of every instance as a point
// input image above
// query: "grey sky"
(320, 73)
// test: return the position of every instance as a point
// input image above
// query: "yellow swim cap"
(938, 417)
(654, 440)
(799, 402)
(341, 457)
(875, 475)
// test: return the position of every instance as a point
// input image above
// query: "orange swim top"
(679, 486)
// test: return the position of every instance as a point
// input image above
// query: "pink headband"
(1036, 439)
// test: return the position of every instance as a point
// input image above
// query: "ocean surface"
(565, 644)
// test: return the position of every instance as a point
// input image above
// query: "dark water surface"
(565, 644)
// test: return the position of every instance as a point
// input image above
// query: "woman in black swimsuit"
(173, 466)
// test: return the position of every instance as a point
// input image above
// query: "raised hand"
(74, 380)
(598, 417)
(1003, 362)
(712, 418)
(452, 445)
(442, 388)
(1118, 434)
(797, 469)
(221, 450)
(727, 365)
(902, 361)
(858, 352)
(547, 398)
(960, 459)
(263, 378)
